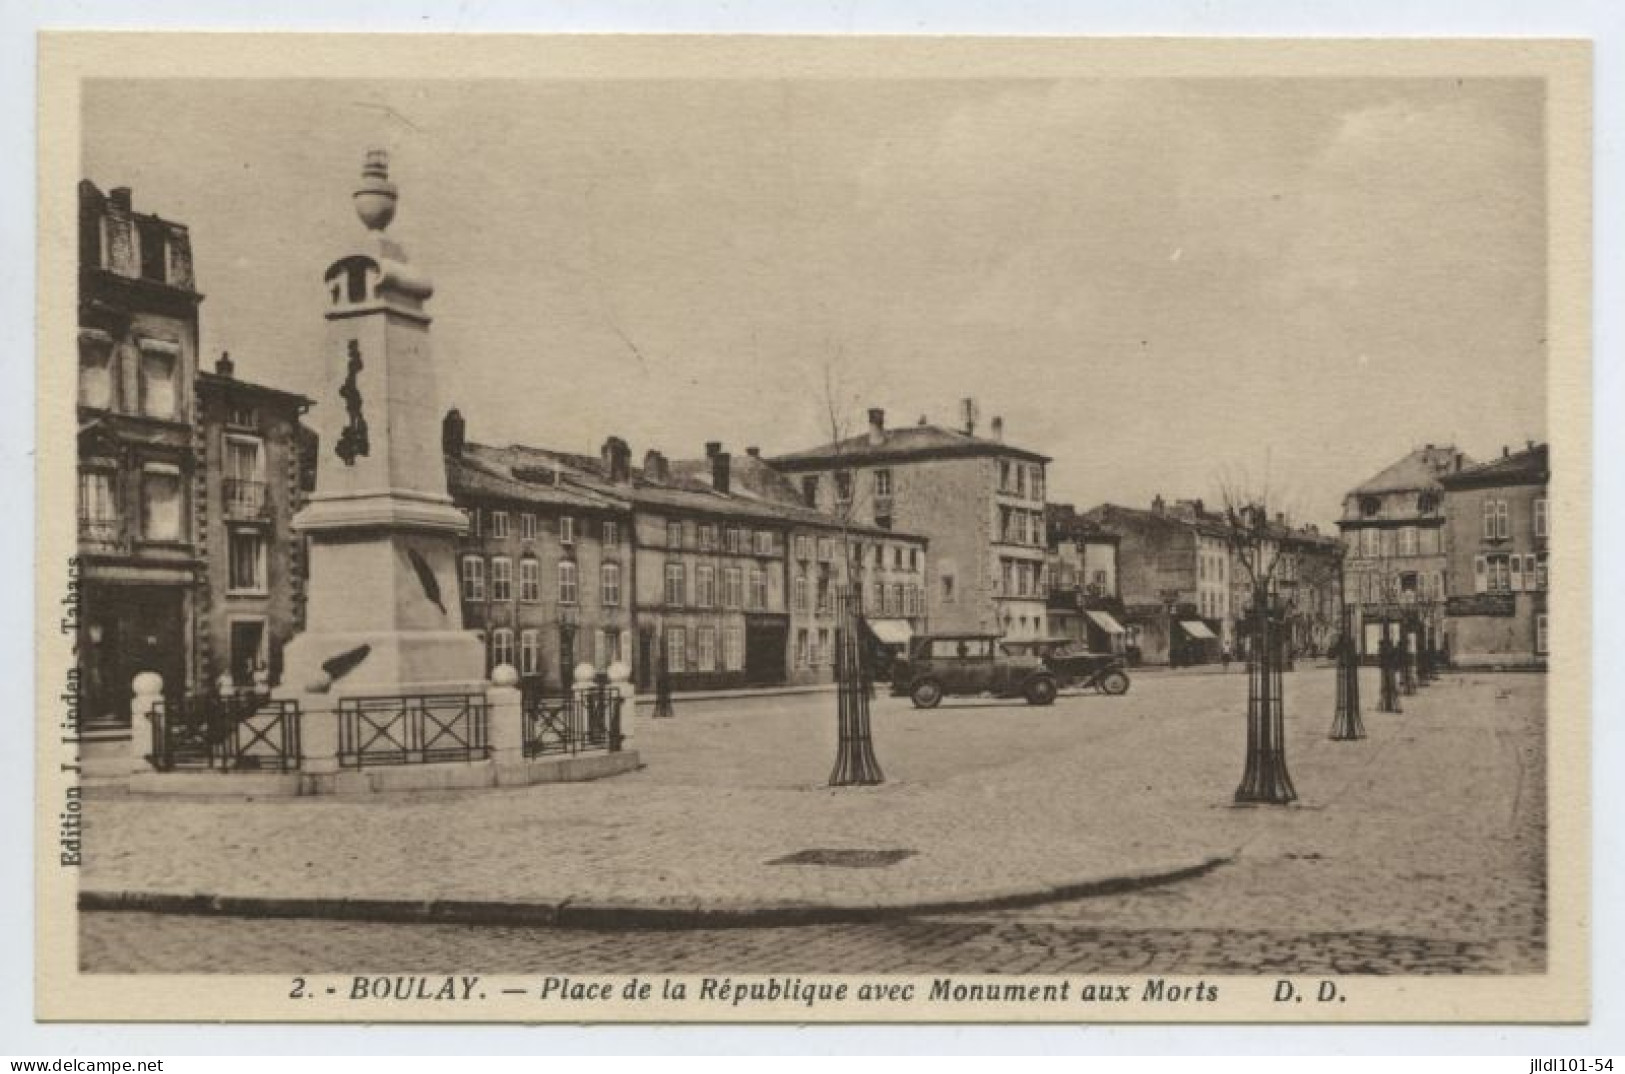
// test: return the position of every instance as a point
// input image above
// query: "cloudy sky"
(1160, 283)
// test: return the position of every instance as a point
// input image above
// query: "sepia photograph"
(669, 530)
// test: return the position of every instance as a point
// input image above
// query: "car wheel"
(1114, 683)
(1041, 692)
(927, 694)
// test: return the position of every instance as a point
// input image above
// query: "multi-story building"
(1082, 572)
(138, 545)
(1499, 527)
(255, 464)
(712, 566)
(1395, 564)
(545, 568)
(1174, 578)
(979, 502)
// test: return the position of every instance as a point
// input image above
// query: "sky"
(1166, 285)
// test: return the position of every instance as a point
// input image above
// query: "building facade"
(1084, 604)
(1499, 527)
(255, 464)
(978, 501)
(1395, 566)
(138, 553)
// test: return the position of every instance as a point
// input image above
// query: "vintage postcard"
(634, 529)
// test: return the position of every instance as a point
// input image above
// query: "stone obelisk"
(383, 615)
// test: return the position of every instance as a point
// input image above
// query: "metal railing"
(226, 733)
(578, 722)
(413, 729)
(244, 499)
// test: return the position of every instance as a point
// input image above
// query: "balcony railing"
(244, 499)
(99, 532)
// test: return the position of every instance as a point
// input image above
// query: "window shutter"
(1480, 574)
(1517, 574)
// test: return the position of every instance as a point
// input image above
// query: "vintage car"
(1076, 667)
(969, 665)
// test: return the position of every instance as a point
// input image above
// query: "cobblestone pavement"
(1419, 849)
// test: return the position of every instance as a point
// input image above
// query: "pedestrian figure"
(1224, 655)
(1388, 697)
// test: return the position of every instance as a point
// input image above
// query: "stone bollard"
(146, 697)
(620, 678)
(506, 716)
(318, 737)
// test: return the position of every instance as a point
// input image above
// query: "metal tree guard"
(662, 684)
(1388, 695)
(855, 764)
(1346, 723)
(1265, 780)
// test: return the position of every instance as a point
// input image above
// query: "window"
(705, 646)
(1368, 542)
(473, 579)
(161, 512)
(501, 578)
(567, 530)
(1541, 639)
(947, 588)
(826, 550)
(527, 528)
(530, 652)
(567, 582)
(609, 647)
(98, 509)
(159, 397)
(1516, 564)
(473, 514)
(1540, 571)
(151, 240)
(801, 648)
(707, 534)
(1495, 520)
(501, 647)
(612, 533)
(1491, 574)
(1407, 541)
(245, 571)
(1038, 482)
(733, 648)
(1369, 506)
(736, 539)
(897, 598)
(843, 486)
(803, 546)
(879, 606)
(676, 649)
(1542, 521)
(733, 595)
(799, 591)
(610, 584)
(758, 589)
(499, 525)
(764, 542)
(674, 534)
(96, 374)
(705, 586)
(530, 580)
(1021, 480)
(809, 490)
(882, 482)
(676, 583)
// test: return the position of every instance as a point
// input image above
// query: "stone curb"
(670, 913)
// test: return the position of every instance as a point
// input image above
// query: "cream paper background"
(1560, 995)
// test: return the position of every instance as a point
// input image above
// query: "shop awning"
(1105, 622)
(891, 631)
(1198, 629)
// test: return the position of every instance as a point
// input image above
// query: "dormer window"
(1369, 506)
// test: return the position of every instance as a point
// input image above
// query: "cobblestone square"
(1418, 849)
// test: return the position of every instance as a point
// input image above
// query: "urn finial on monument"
(375, 200)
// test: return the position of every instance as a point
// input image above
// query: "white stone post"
(506, 714)
(146, 696)
(620, 677)
(318, 737)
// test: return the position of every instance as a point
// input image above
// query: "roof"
(1418, 471)
(1531, 466)
(897, 445)
(226, 383)
(1111, 517)
(562, 479)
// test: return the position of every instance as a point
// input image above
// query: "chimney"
(721, 465)
(877, 426)
(967, 414)
(712, 447)
(1458, 462)
(616, 457)
(654, 466)
(452, 431)
(1505, 451)
(119, 197)
(224, 365)
(1157, 505)
(754, 452)
(998, 428)
(1529, 445)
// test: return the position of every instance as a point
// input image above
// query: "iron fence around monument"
(581, 721)
(246, 732)
(413, 729)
